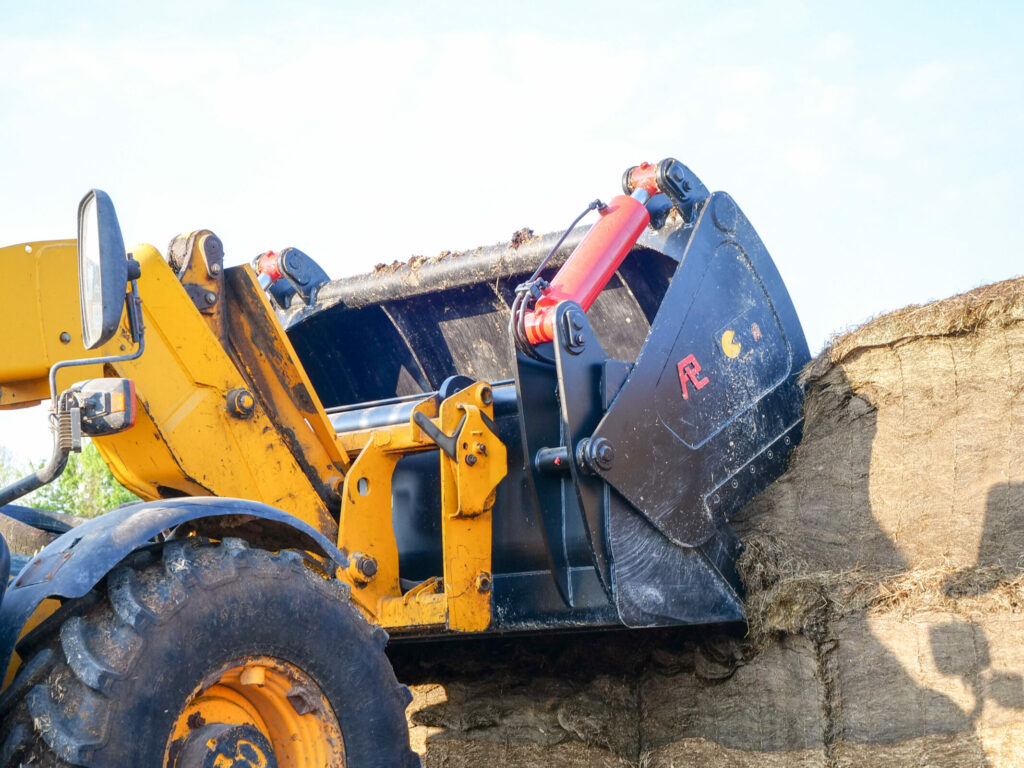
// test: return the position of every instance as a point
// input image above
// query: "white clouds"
(749, 81)
(827, 99)
(367, 147)
(806, 161)
(878, 139)
(926, 79)
(835, 46)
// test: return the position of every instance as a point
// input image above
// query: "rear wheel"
(202, 655)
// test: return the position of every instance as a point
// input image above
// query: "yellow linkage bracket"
(469, 480)
(468, 486)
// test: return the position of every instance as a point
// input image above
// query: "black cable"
(596, 205)
(528, 293)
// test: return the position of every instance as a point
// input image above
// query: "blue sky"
(875, 146)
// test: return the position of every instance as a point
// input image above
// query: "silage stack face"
(896, 539)
(886, 589)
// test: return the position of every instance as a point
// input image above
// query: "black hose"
(39, 478)
(529, 292)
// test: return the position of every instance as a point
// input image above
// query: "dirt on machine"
(542, 436)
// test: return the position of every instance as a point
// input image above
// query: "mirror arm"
(93, 361)
(135, 327)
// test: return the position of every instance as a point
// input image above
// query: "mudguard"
(78, 560)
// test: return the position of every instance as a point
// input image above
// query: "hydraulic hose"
(39, 478)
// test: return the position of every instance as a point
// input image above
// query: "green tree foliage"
(85, 488)
(8, 469)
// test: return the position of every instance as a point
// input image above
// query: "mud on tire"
(105, 678)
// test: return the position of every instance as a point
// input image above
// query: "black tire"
(107, 676)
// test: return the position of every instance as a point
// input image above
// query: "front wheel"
(208, 654)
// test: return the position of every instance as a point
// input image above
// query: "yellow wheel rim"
(264, 696)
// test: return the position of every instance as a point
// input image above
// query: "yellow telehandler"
(540, 436)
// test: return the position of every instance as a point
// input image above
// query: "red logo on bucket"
(689, 372)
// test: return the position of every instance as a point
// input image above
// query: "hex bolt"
(601, 453)
(367, 566)
(480, 448)
(65, 338)
(211, 298)
(594, 455)
(215, 269)
(471, 459)
(241, 403)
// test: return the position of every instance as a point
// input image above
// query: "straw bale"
(885, 590)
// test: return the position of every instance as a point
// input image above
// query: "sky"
(874, 145)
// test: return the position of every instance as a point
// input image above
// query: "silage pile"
(886, 591)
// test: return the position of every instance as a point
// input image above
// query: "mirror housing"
(102, 268)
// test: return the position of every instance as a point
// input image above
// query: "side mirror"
(103, 271)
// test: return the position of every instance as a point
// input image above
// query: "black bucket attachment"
(648, 421)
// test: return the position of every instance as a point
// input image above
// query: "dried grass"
(784, 596)
(996, 305)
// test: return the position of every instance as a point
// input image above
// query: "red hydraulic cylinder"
(268, 264)
(587, 271)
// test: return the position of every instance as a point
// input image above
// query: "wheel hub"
(256, 712)
(221, 745)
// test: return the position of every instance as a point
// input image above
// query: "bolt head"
(367, 566)
(600, 453)
(241, 403)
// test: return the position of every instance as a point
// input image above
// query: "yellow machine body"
(226, 409)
